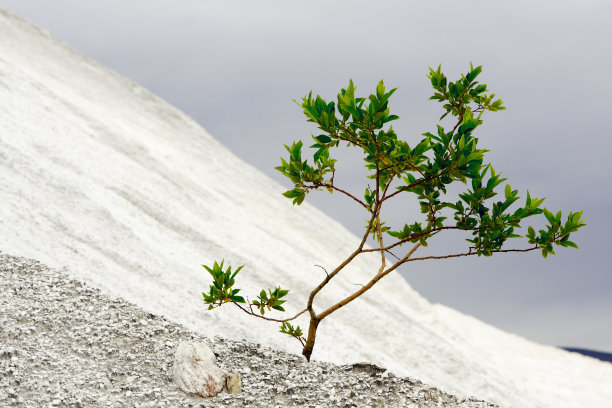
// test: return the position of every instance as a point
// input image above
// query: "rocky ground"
(64, 344)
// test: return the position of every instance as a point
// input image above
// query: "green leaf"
(323, 139)
(508, 191)
(571, 244)
(390, 118)
(549, 216)
(299, 199)
(291, 194)
(380, 90)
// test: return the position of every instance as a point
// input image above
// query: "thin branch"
(388, 184)
(395, 256)
(458, 123)
(470, 253)
(407, 258)
(397, 164)
(250, 312)
(351, 133)
(350, 195)
(417, 169)
(416, 183)
(355, 142)
(378, 226)
(359, 249)
(366, 287)
(403, 241)
(323, 269)
(316, 185)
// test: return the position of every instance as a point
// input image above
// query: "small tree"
(424, 170)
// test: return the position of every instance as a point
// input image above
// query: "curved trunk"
(310, 341)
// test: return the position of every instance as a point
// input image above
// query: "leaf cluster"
(301, 173)
(271, 300)
(293, 331)
(556, 232)
(357, 121)
(425, 169)
(222, 291)
(455, 96)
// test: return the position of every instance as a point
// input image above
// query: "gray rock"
(233, 383)
(195, 370)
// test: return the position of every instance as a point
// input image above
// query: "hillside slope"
(102, 178)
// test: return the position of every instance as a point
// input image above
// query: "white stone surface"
(195, 370)
(102, 178)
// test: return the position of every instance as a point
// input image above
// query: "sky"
(237, 66)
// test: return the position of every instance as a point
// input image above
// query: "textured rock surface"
(233, 383)
(65, 344)
(195, 371)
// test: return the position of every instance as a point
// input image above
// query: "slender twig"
(355, 142)
(350, 195)
(395, 256)
(417, 169)
(387, 186)
(458, 123)
(470, 253)
(367, 286)
(406, 258)
(341, 266)
(323, 269)
(415, 236)
(416, 183)
(316, 185)
(250, 312)
(378, 226)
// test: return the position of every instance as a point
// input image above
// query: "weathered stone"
(195, 371)
(233, 383)
(370, 368)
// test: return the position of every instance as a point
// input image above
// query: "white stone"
(195, 370)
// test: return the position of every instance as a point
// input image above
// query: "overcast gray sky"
(235, 67)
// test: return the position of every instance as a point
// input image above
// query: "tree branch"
(249, 311)
(323, 269)
(316, 185)
(378, 226)
(367, 286)
(350, 195)
(341, 266)
(405, 259)
(470, 253)
(403, 241)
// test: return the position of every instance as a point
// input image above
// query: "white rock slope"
(101, 177)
